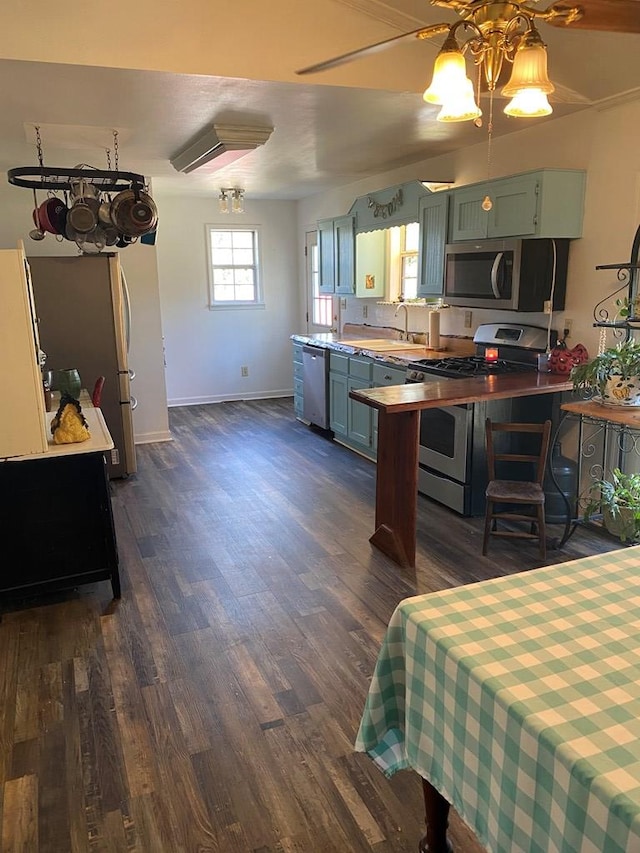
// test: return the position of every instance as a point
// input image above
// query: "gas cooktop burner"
(471, 366)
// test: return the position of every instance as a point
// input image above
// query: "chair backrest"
(538, 459)
(96, 396)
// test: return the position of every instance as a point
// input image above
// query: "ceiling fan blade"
(422, 33)
(616, 16)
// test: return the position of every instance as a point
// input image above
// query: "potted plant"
(618, 499)
(613, 376)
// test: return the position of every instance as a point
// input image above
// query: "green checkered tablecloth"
(519, 700)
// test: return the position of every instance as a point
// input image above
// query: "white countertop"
(99, 442)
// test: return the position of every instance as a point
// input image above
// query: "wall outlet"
(343, 302)
(566, 328)
(468, 317)
(547, 306)
(365, 311)
(244, 370)
(115, 456)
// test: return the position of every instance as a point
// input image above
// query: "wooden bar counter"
(399, 408)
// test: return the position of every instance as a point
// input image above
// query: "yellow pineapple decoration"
(69, 426)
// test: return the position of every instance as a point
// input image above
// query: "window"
(322, 302)
(234, 279)
(403, 261)
(410, 235)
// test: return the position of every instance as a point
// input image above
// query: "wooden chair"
(96, 396)
(518, 492)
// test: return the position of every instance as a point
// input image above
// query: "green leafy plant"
(618, 499)
(623, 360)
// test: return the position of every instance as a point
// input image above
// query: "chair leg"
(487, 527)
(542, 533)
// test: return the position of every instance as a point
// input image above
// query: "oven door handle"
(495, 269)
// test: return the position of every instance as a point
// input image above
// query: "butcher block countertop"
(447, 392)
(392, 351)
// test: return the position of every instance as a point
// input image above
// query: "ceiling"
(330, 129)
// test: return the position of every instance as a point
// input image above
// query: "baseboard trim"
(152, 437)
(228, 398)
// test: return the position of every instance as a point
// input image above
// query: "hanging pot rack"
(56, 178)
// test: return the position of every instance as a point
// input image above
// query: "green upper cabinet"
(545, 203)
(345, 252)
(432, 215)
(336, 251)
(326, 256)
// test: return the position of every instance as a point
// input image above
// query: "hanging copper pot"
(134, 213)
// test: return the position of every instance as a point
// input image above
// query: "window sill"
(233, 306)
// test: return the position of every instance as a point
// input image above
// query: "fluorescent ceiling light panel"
(224, 143)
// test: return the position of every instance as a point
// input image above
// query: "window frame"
(244, 305)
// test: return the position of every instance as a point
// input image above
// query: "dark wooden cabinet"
(57, 524)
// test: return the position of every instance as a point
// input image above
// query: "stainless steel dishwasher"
(315, 373)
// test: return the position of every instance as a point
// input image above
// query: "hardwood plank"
(132, 727)
(189, 818)
(20, 815)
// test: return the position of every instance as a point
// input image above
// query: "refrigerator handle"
(127, 309)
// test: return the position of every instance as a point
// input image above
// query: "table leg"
(397, 486)
(437, 820)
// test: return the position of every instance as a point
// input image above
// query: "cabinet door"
(515, 207)
(383, 376)
(326, 256)
(338, 399)
(345, 251)
(469, 221)
(359, 416)
(433, 214)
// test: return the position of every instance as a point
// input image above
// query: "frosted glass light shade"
(460, 104)
(449, 73)
(530, 103)
(529, 67)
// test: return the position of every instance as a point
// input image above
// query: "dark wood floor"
(214, 708)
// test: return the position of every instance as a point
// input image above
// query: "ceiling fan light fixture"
(530, 103)
(460, 105)
(449, 73)
(529, 66)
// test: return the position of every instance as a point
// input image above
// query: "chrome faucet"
(406, 319)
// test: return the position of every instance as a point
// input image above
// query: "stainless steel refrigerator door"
(79, 306)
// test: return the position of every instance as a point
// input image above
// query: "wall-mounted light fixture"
(231, 199)
(222, 143)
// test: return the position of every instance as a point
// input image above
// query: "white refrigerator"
(24, 422)
(83, 317)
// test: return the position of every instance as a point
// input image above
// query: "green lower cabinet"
(384, 376)
(338, 403)
(298, 381)
(359, 419)
(298, 397)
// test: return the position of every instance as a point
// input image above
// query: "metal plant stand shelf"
(615, 433)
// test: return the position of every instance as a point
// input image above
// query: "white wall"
(150, 419)
(603, 142)
(205, 349)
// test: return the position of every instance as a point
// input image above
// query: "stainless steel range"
(452, 457)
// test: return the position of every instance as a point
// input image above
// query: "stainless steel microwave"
(512, 275)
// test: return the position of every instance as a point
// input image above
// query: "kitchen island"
(399, 410)
(56, 516)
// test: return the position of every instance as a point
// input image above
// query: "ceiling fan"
(497, 31)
